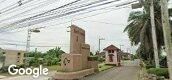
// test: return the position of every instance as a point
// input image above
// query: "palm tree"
(139, 29)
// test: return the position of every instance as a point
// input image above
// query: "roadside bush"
(21, 66)
(163, 62)
(93, 58)
(159, 72)
(4, 69)
(149, 66)
(101, 59)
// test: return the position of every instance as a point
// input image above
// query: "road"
(129, 71)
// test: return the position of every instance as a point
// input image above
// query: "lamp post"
(29, 37)
(100, 39)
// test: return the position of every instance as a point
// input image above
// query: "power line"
(102, 22)
(16, 44)
(57, 16)
(48, 2)
(47, 11)
(112, 9)
(13, 6)
(133, 1)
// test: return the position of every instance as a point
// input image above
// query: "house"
(112, 55)
(13, 57)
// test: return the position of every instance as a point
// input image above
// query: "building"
(13, 57)
(112, 55)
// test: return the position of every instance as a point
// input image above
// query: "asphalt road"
(129, 71)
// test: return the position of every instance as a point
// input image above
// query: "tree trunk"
(154, 38)
(167, 34)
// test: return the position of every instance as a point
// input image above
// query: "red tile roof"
(111, 47)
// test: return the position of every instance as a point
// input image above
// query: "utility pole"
(36, 30)
(154, 38)
(99, 42)
(28, 40)
(121, 47)
(167, 34)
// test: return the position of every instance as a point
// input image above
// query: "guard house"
(112, 55)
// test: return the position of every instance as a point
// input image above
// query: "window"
(109, 51)
(18, 53)
(112, 51)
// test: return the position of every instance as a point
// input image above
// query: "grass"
(103, 67)
(5, 74)
(53, 67)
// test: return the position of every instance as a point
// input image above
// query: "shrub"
(159, 72)
(101, 59)
(4, 69)
(93, 58)
(149, 66)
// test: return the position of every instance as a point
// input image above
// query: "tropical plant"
(139, 30)
(51, 57)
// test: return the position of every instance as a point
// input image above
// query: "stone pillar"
(77, 37)
(85, 50)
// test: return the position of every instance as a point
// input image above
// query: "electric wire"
(93, 10)
(72, 12)
(13, 6)
(40, 5)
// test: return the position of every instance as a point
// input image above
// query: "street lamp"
(29, 37)
(100, 41)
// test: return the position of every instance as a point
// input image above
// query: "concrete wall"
(77, 37)
(85, 50)
(12, 57)
(71, 62)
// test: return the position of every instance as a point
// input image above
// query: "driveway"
(129, 71)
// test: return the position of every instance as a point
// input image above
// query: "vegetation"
(93, 58)
(159, 72)
(51, 57)
(53, 67)
(139, 31)
(103, 66)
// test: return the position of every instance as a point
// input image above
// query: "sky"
(107, 23)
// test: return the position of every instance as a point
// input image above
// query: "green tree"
(52, 56)
(139, 30)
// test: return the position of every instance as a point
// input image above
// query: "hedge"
(159, 72)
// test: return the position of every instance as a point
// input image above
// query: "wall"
(12, 57)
